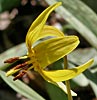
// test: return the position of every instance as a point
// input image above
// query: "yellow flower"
(46, 52)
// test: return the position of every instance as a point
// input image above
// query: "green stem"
(67, 82)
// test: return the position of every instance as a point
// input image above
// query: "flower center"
(33, 60)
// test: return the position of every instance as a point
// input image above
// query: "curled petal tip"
(59, 3)
(76, 38)
(92, 60)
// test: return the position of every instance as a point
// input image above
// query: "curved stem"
(67, 82)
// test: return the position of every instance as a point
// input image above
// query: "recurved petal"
(49, 31)
(53, 49)
(63, 75)
(38, 25)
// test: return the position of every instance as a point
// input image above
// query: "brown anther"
(20, 65)
(21, 74)
(11, 60)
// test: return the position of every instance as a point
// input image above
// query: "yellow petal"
(50, 31)
(38, 25)
(63, 75)
(53, 49)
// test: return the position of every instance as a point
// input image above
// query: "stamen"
(11, 60)
(22, 73)
(20, 65)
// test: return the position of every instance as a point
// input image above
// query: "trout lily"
(44, 53)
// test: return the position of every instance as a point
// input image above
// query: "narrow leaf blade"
(21, 88)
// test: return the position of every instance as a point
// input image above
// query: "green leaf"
(55, 92)
(92, 80)
(94, 87)
(92, 4)
(8, 4)
(90, 76)
(21, 88)
(80, 56)
(81, 17)
(20, 49)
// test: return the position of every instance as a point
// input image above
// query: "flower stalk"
(67, 82)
